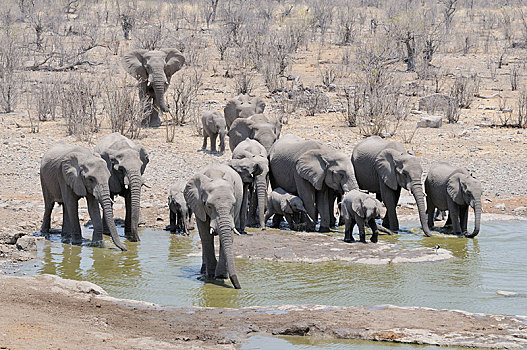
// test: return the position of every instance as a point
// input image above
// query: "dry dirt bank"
(50, 312)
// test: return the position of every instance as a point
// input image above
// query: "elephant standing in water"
(249, 159)
(242, 106)
(126, 162)
(453, 189)
(215, 196)
(153, 69)
(67, 173)
(316, 173)
(383, 167)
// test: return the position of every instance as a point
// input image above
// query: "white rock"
(430, 121)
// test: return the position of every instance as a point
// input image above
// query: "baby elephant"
(281, 203)
(180, 213)
(359, 208)
(213, 125)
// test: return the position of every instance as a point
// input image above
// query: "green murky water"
(163, 269)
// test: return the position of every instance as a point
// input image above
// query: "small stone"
(500, 206)
(27, 243)
(520, 210)
(430, 121)
(332, 87)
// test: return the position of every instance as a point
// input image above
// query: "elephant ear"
(174, 61)
(285, 207)
(133, 63)
(192, 194)
(385, 166)
(378, 208)
(358, 207)
(241, 129)
(72, 174)
(259, 105)
(312, 166)
(231, 111)
(454, 189)
(143, 155)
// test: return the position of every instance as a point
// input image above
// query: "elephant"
(281, 203)
(126, 161)
(383, 167)
(153, 69)
(215, 196)
(242, 106)
(249, 159)
(67, 173)
(180, 212)
(256, 127)
(453, 189)
(213, 125)
(359, 208)
(315, 173)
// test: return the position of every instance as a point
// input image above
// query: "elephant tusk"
(148, 83)
(236, 231)
(126, 187)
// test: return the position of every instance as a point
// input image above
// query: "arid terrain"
(483, 41)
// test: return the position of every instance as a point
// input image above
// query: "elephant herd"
(306, 179)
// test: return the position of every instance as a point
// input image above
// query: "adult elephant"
(67, 173)
(257, 127)
(242, 106)
(384, 167)
(126, 162)
(453, 189)
(249, 159)
(153, 69)
(215, 196)
(316, 173)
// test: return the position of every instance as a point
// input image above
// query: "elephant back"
(437, 180)
(242, 106)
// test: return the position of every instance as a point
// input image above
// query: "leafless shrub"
(208, 10)
(452, 112)
(79, 103)
(464, 89)
(449, 9)
(351, 106)
(312, 100)
(150, 36)
(11, 58)
(515, 72)
(522, 110)
(322, 15)
(346, 17)
(222, 40)
(182, 96)
(244, 82)
(123, 108)
(328, 76)
(44, 97)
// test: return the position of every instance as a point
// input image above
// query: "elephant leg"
(307, 193)
(277, 219)
(252, 218)
(268, 214)
(66, 224)
(95, 215)
(331, 206)
(323, 206)
(453, 212)
(463, 218)
(430, 209)
(173, 221)
(448, 222)
(128, 213)
(374, 231)
(348, 231)
(290, 221)
(207, 245)
(244, 210)
(204, 145)
(72, 208)
(362, 231)
(390, 198)
(213, 142)
(154, 120)
(46, 221)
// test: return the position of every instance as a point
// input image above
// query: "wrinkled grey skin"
(126, 161)
(281, 203)
(180, 212)
(256, 127)
(249, 159)
(242, 106)
(359, 208)
(453, 189)
(213, 125)
(153, 70)
(383, 167)
(315, 173)
(215, 196)
(68, 173)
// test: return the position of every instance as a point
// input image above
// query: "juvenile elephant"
(213, 125)
(215, 196)
(383, 167)
(315, 173)
(359, 208)
(242, 106)
(153, 69)
(256, 127)
(453, 189)
(281, 203)
(180, 212)
(67, 173)
(126, 161)
(249, 159)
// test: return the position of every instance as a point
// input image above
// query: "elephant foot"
(374, 240)
(363, 241)
(349, 240)
(323, 229)
(203, 269)
(220, 277)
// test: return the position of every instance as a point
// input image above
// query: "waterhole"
(164, 268)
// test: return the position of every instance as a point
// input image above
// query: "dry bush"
(244, 82)
(80, 101)
(222, 40)
(150, 36)
(44, 97)
(11, 61)
(182, 98)
(312, 100)
(464, 89)
(521, 121)
(514, 76)
(123, 108)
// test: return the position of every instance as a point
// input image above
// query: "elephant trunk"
(103, 195)
(225, 232)
(261, 190)
(135, 200)
(159, 90)
(417, 191)
(477, 219)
